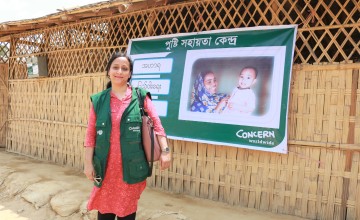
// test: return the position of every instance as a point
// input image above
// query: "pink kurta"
(116, 196)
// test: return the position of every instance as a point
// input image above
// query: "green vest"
(135, 165)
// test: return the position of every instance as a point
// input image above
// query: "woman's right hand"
(88, 165)
(89, 171)
(222, 104)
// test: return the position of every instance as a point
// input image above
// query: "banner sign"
(223, 87)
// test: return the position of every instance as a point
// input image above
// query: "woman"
(114, 158)
(204, 97)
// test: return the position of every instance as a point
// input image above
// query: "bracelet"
(165, 150)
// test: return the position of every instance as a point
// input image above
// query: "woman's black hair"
(111, 60)
(204, 73)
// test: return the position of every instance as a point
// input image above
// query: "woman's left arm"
(166, 156)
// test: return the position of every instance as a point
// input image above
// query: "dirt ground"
(32, 189)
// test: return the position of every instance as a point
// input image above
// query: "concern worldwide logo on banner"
(257, 137)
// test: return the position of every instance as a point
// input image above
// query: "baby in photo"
(242, 99)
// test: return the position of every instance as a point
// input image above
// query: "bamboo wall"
(317, 179)
(48, 117)
(3, 102)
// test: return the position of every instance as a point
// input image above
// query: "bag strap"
(143, 113)
(141, 102)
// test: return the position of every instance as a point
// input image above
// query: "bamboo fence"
(317, 179)
(3, 102)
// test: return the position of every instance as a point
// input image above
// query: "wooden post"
(274, 15)
(150, 23)
(351, 140)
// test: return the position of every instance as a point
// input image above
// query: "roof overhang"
(65, 16)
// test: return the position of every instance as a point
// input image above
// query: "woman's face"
(119, 71)
(210, 83)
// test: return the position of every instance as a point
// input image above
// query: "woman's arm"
(90, 145)
(88, 165)
(166, 157)
(151, 111)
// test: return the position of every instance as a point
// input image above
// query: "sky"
(14, 10)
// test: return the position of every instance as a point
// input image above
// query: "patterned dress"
(116, 196)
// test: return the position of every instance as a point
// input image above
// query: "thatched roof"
(96, 10)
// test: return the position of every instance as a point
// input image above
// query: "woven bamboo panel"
(307, 182)
(4, 68)
(328, 32)
(48, 118)
(320, 104)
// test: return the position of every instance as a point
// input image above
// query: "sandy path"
(31, 189)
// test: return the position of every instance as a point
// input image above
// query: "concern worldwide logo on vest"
(257, 137)
(135, 129)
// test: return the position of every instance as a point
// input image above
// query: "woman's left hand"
(165, 160)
